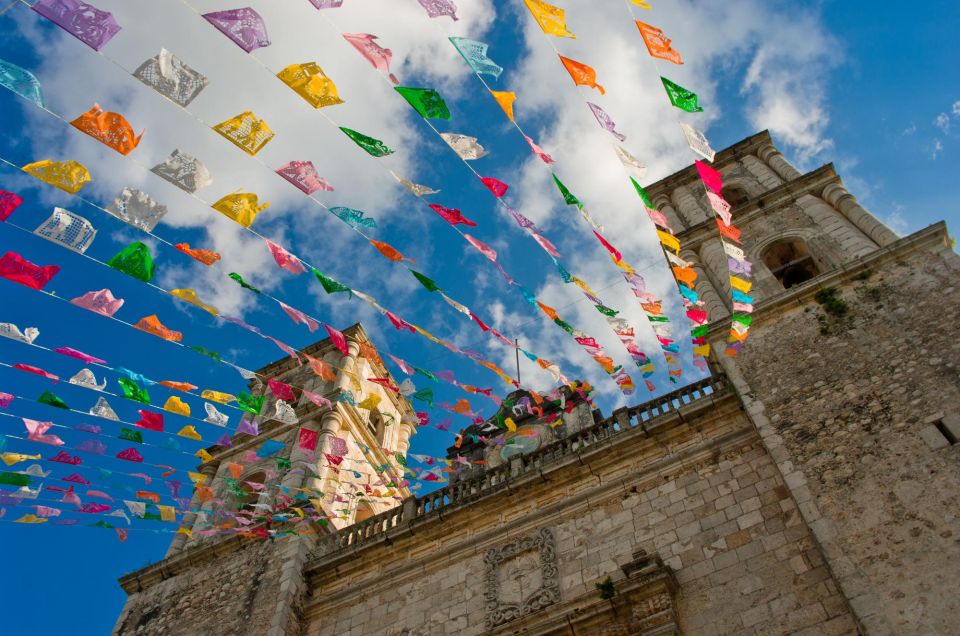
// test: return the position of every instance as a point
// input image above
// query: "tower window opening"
(790, 262)
(251, 494)
(376, 425)
(735, 196)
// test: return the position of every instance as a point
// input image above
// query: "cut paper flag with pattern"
(550, 18)
(10, 330)
(22, 82)
(190, 296)
(304, 176)
(171, 77)
(246, 132)
(153, 326)
(658, 44)
(9, 202)
(70, 176)
(582, 74)
(134, 260)
(475, 55)
(605, 121)
(414, 188)
(244, 26)
(506, 100)
(354, 218)
(86, 379)
(110, 129)
(284, 259)
(310, 82)
(452, 216)
(373, 147)
(390, 252)
(537, 150)
(698, 142)
(327, 4)
(439, 8)
(101, 302)
(378, 56)
(137, 208)
(426, 101)
(184, 171)
(631, 163)
(241, 207)
(70, 230)
(103, 410)
(15, 268)
(299, 317)
(83, 21)
(465, 146)
(680, 97)
(739, 266)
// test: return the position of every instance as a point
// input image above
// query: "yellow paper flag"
(669, 240)
(505, 99)
(242, 207)
(740, 284)
(178, 406)
(310, 82)
(550, 18)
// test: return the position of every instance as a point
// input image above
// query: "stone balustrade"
(646, 416)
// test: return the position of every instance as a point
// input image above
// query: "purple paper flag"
(605, 121)
(83, 21)
(244, 26)
(438, 8)
(327, 4)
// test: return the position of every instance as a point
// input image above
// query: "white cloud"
(937, 149)
(943, 123)
(955, 109)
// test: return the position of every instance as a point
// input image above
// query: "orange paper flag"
(582, 74)
(152, 325)
(658, 44)
(110, 129)
(505, 99)
(390, 252)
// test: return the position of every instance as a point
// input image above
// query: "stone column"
(769, 154)
(714, 260)
(663, 204)
(300, 459)
(348, 366)
(210, 470)
(330, 424)
(717, 308)
(838, 196)
(690, 209)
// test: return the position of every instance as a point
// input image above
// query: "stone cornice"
(802, 294)
(689, 173)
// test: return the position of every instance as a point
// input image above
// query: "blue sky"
(829, 79)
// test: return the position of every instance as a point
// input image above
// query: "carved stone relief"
(522, 577)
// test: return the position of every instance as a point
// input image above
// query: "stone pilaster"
(838, 196)
(208, 470)
(769, 154)
(665, 207)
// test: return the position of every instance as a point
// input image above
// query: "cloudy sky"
(828, 80)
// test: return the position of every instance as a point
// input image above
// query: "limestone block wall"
(850, 404)
(706, 497)
(235, 593)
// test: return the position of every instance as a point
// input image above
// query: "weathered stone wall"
(235, 593)
(705, 496)
(848, 400)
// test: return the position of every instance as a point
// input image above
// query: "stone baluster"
(769, 154)
(841, 199)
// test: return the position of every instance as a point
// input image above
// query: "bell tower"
(849, 371)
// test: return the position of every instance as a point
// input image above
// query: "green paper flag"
(606, 311)
(283, 463)
(133, 391)
(329, 285)
(426, 395)
(426, 374)
(700, 331)
(14, 479)
(426, 282)
(425, 101)
(134, 260)
(568, 196)
(50, 399)
(249, 403)
(374, 147)
(647, 201)
(213, 355)
(131, 435)
(681, 97)
(565, 326)
(237, 277)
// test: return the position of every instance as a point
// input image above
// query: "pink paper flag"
(79, 355)
(308, 439)
(484, 249)
(452, 216)
(338, 339)
(402, 364)
(18, 269)
(399, 323)
(101, 302)
(131, 455)
(537, 150)
(304, 176)
(150, 420)
(378, 56)
(36, 432)
(5, 399)
(37, 370)
(711, 178)
(287, 349)
(281, 390)
(299, 317)
(285, 260)
(8, 203)
(319, 400)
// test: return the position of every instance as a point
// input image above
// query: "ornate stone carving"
(522, 577)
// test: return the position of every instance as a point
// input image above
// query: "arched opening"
(735, 195)
(364, 512)
(790, 262)
(376, 425)
(251, 487)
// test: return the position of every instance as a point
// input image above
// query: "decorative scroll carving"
(530, 558)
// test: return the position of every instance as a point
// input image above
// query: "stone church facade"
(811, 485)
